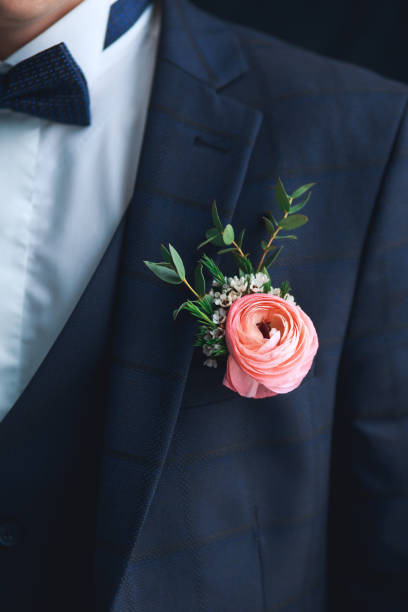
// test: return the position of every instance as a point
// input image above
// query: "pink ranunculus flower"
(271, 343)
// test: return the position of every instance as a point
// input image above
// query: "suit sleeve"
(368, 517)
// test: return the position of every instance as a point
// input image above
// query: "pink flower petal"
(259, 366)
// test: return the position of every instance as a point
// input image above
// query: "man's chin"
(20, 11)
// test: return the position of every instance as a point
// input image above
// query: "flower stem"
(240, 251)
(272, 238)
(191, 289)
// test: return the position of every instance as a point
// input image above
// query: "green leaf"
(212, 267)
(200, 246)
(281, 196)
(216, 218)
(269, 260)
(216, 235)
(271, 217)
(241, 238)
(206, 303)
(265, 246)
(221, 351)
(178, 262)
(228, 234)
(284, 288)
(269, 225)
(195, 309)
(229, 250)
(178, 310)
(293, 221)
(243, 263)
(301, 190)
(292, 236)
(301, 204)
(166, 254)
(164, 273)
(199, 280)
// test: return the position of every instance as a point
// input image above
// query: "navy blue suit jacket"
(210, 502)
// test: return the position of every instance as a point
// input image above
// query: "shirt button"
(10, 533)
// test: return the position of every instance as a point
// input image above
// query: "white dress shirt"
(64, 188)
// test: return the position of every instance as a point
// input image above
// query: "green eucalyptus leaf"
(216, 218)
(269, 260)
(267, 248)
(200, 246)
(291, 236)
(166, 254)
(178, 262)
(301, 190)
(269, 225)
(163, 272)
(282, 197)
(229, 250)
(293, 221)
(228, 234)
(274, 220)
(241, 238)
(199, 280)
(301, 204)
(271, 217)
(215, 235)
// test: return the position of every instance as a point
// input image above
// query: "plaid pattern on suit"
(208, 501)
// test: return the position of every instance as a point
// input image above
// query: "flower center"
(264, 327)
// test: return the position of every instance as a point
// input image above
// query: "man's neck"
(17, 32)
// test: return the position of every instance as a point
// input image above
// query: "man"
(131, 478)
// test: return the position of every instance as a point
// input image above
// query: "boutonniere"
(268, 340)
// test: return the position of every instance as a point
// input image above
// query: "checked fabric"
(51, 85)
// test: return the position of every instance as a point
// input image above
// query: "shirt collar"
(83, 31)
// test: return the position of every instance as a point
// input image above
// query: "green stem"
(272, 238)
(191, 289)
(240, 251)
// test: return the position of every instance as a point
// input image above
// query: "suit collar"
(196, 148)
(214, 54)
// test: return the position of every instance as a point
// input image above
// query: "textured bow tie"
(51, 85)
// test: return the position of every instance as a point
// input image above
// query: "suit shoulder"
(292, 67)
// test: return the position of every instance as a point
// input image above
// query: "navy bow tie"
(51, 85)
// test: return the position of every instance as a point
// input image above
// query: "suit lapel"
(196, 148)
